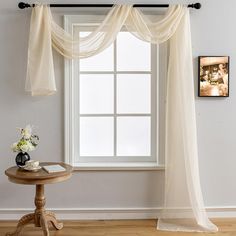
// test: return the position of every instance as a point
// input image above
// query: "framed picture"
(213, 76)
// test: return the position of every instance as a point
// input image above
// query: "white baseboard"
(110, 213)
(88, 213)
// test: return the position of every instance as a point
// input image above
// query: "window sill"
(117, 166)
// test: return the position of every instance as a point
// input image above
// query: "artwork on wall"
(213, 78)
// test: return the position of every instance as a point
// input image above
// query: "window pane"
(96, 136)
(103, 61)
(133, 93)
(133, 136)
(96, 94)
(132, 53)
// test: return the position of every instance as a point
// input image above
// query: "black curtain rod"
(23, 5)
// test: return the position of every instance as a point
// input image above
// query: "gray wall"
(213, 33)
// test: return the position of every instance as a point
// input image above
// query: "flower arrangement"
(28, 141)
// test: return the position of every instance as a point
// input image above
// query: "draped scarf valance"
(183, 207)
(45, 34)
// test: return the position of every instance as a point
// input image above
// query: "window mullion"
(115, 98)
(117, 72)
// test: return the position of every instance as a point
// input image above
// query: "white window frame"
(71, 95)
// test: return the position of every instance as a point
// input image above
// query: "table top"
(21, 176)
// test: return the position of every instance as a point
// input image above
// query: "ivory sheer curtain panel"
(183, 208)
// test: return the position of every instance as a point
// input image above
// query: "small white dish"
(32, 164)
(32, 169)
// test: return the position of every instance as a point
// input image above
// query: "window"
(111, 102)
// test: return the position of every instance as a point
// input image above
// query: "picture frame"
(213, 76)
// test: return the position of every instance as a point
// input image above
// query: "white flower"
(26, 132)
(24, 148)
(14, 147)
(31, 147)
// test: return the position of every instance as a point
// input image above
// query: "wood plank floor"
(227, 227)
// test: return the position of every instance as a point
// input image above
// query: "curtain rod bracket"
(23, 5)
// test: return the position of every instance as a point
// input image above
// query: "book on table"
(53, 168)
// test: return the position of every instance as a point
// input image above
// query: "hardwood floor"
(227, 227)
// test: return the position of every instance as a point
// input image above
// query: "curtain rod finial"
(197, 5)
(23, 5)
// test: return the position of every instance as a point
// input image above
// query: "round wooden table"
(40, 217)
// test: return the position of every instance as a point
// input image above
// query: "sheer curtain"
(183, 209)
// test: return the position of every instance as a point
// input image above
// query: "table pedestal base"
(40, 217)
